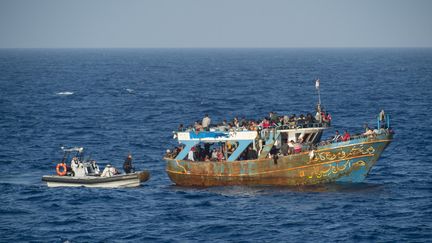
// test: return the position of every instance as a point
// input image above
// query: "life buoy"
(59, 171)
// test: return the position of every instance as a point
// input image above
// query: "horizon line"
(233, 47)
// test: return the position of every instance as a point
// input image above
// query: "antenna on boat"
(317, 86)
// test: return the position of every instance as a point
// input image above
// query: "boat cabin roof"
(222, 136)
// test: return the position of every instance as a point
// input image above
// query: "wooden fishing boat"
(311, 162)
(348, 161)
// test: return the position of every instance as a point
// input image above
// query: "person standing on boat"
(191, 154)
(251, 153)
(382, 115)
(273, 117)
(180, 128)
(284, 149)
(318, 117)
(382, 119)
(74, 165)
(206, 122)
(127, 165)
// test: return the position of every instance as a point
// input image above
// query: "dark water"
(131, 100)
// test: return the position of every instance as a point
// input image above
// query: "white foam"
(65, 93)
(130, 90)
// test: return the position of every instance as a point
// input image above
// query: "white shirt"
(74, 165)
(337, 138)
(206, 121)
(318, 116)
(214, 155)
(191, 155)
(108, 171)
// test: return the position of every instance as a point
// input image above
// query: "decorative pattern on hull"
(341, 162)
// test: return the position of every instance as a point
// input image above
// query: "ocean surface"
(116, 101)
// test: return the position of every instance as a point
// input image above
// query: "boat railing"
(306, 125)
(356, 138)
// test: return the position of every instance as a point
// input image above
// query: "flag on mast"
(317, 84)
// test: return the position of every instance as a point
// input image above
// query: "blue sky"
(201, 23)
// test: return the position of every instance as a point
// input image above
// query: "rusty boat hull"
(349, 161)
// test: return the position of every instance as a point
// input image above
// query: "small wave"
(130, 91)
(65, 93)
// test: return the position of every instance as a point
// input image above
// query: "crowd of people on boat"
(368, 133)
(213, 152)
(79, 168)
(273, 120)
(221, 151)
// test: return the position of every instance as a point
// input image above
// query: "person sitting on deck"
(220, 155)
(366, 127)
(265, 123)
(252, 126)
(214, 155)
(301, 120)
(109, 171)
(176, 151)
(198, 127)
(369, 132)
(382, 130)
(291, 147)
(346, 136)
(309, 119)
(168, 154)
(337, 137)
(297, 148)
(127, 165)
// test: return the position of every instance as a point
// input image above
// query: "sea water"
(116, 101)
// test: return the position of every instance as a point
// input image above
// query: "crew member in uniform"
(127, 165)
